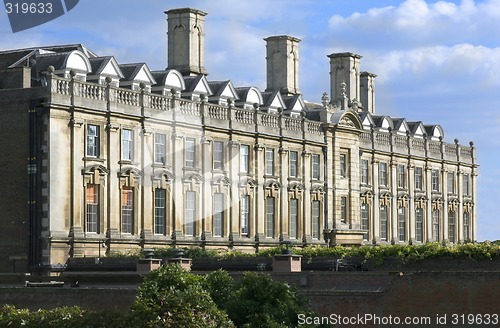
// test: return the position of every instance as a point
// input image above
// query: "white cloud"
(418, 22)
(458, 64)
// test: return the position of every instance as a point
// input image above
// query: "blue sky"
(436, 61)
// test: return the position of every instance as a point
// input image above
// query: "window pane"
(127, 210)
(401, 224)
(435, 225)
(218, 155)
(92, 201)
(245, 202)
(160, 148)
(418, 224)
(315, 219)
(293, 211)
(383, 222)
(293, 163)
(451, 182)
(244, 158)
(383, 174)
(401, 176)
(451, 226)
(418, 178)
(270, 217)
(364, 171)
(127, 144)
(343, 209)
(466, 184)
(435, 180)
(189, 212)
(92, 140)
(315, 167)
(218, 214)
(189, 152)
(160, 211)
(364, 220)
(466, 226)
(269, 161)
(343, 168)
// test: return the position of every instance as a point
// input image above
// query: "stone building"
(101, 157)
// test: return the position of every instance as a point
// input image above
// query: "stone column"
(234, 198)
(114, 196)
(147, 192)
(206, 194)
(446, 204)
(393, 211)
(260, 198)
(283, 173)
(177, 185)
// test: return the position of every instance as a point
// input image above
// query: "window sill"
(94, 159)
(127, 162)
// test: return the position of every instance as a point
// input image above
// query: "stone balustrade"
(416, 146)
(78, 93)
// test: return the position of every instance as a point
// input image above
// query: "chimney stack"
(186, 40)
(368, 92)
(344, 67)
(283, 64)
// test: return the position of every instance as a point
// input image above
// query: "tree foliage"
(173, 297)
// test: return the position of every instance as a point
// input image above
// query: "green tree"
(173, 297)
(259, 301)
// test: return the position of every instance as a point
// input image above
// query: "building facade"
(102, 157)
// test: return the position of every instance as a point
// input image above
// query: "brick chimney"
(186, 40)
(283, 64)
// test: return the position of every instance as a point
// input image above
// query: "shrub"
(173, 297)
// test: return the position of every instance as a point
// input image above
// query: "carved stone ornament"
(347, 122)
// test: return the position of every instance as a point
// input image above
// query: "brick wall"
(383, 293)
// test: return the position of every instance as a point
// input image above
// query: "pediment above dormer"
(196, 86)
(366, 120)
(65, 62)
(168, 80)
(294, 105)
(135, 74)
(272, 102)
(103, 67)
(222, 92)
(401, 126)
(249, 97)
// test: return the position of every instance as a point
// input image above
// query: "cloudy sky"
(436, 61)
